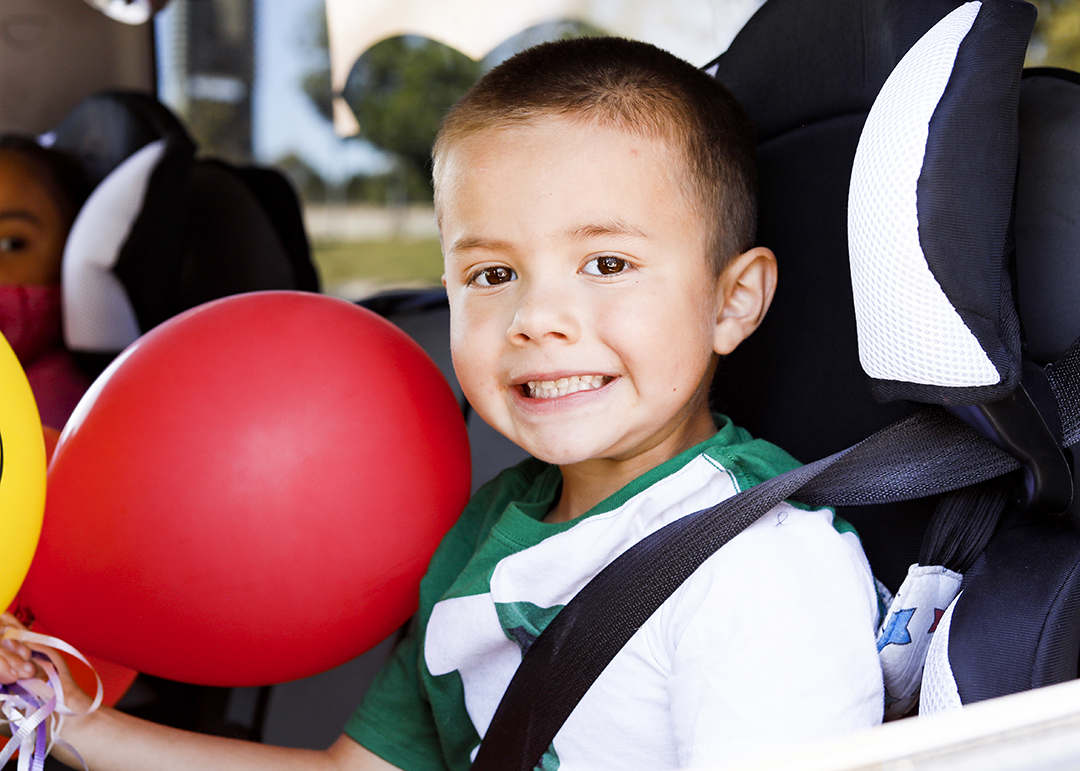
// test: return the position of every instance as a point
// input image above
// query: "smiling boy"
(585, 311)
(596, 208)
(595, 202)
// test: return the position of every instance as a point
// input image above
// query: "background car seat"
(165, 229)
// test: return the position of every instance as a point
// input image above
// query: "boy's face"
(583, 310)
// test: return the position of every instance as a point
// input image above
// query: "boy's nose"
(545, 314)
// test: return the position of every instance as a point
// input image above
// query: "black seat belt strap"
(927, 453)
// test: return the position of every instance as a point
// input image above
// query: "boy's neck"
(586, 484)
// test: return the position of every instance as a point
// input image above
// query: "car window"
(348, 111)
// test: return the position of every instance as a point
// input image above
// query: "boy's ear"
(746, 289)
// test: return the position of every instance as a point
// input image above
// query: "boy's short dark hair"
(640, 88)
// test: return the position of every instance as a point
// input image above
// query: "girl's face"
(33, 227)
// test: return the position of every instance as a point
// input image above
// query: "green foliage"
(377, 263)
(399, 90)
(1056, 39)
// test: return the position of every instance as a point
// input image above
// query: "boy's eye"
(606, 265)
(12, 244)
(493, 276)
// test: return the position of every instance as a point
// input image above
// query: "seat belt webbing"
(927, 453)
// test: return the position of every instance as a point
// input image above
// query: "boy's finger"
(19, 670)
(16, 647)
(8, 621)
(17, 661)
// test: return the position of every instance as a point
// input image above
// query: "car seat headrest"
(166, 231)
(930, 212)
(1047, 202)
(104, 129)
(98, 315)
(853, 46)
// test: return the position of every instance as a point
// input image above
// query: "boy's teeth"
(549, 389)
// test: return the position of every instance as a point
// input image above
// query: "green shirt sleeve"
(395, 721)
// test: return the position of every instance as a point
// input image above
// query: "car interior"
(993, 235)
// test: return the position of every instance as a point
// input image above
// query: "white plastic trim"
(939, 690)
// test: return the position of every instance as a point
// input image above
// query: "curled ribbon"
(35, 708)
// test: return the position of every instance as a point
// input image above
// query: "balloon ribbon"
(31, 707)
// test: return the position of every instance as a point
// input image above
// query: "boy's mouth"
(564, 386)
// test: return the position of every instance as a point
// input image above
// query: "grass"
(358, 268)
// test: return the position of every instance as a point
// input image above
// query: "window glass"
(252, 81)
(1056, 40)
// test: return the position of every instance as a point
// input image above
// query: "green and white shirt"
(769, 644)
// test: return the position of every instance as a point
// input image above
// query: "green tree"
(399, 90)
(1056, 39)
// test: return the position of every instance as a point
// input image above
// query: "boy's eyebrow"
(579, 233)
(601, 229)
(466, 243)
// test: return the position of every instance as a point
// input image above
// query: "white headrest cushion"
(909, 331)
(98, 316)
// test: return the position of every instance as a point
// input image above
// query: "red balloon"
(250, 493)
(116, 680)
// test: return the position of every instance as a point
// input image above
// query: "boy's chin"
(557, 454)
(564, 455)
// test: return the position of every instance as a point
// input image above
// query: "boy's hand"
(15, 663)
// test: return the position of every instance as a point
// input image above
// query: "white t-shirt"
(769, 644)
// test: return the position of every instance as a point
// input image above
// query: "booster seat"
(994, 224)
(997, 204)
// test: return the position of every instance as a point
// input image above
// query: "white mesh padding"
(909, 331)
(939, 691)
(97, 313)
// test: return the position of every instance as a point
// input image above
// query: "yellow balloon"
(22, 474)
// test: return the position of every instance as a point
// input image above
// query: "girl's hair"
(61, 172)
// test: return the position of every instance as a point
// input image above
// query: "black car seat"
(799, 380)
(165, 229)
(825, 82)
(1032, 565)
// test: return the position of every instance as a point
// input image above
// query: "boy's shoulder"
(748, 459)
(751, 460)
